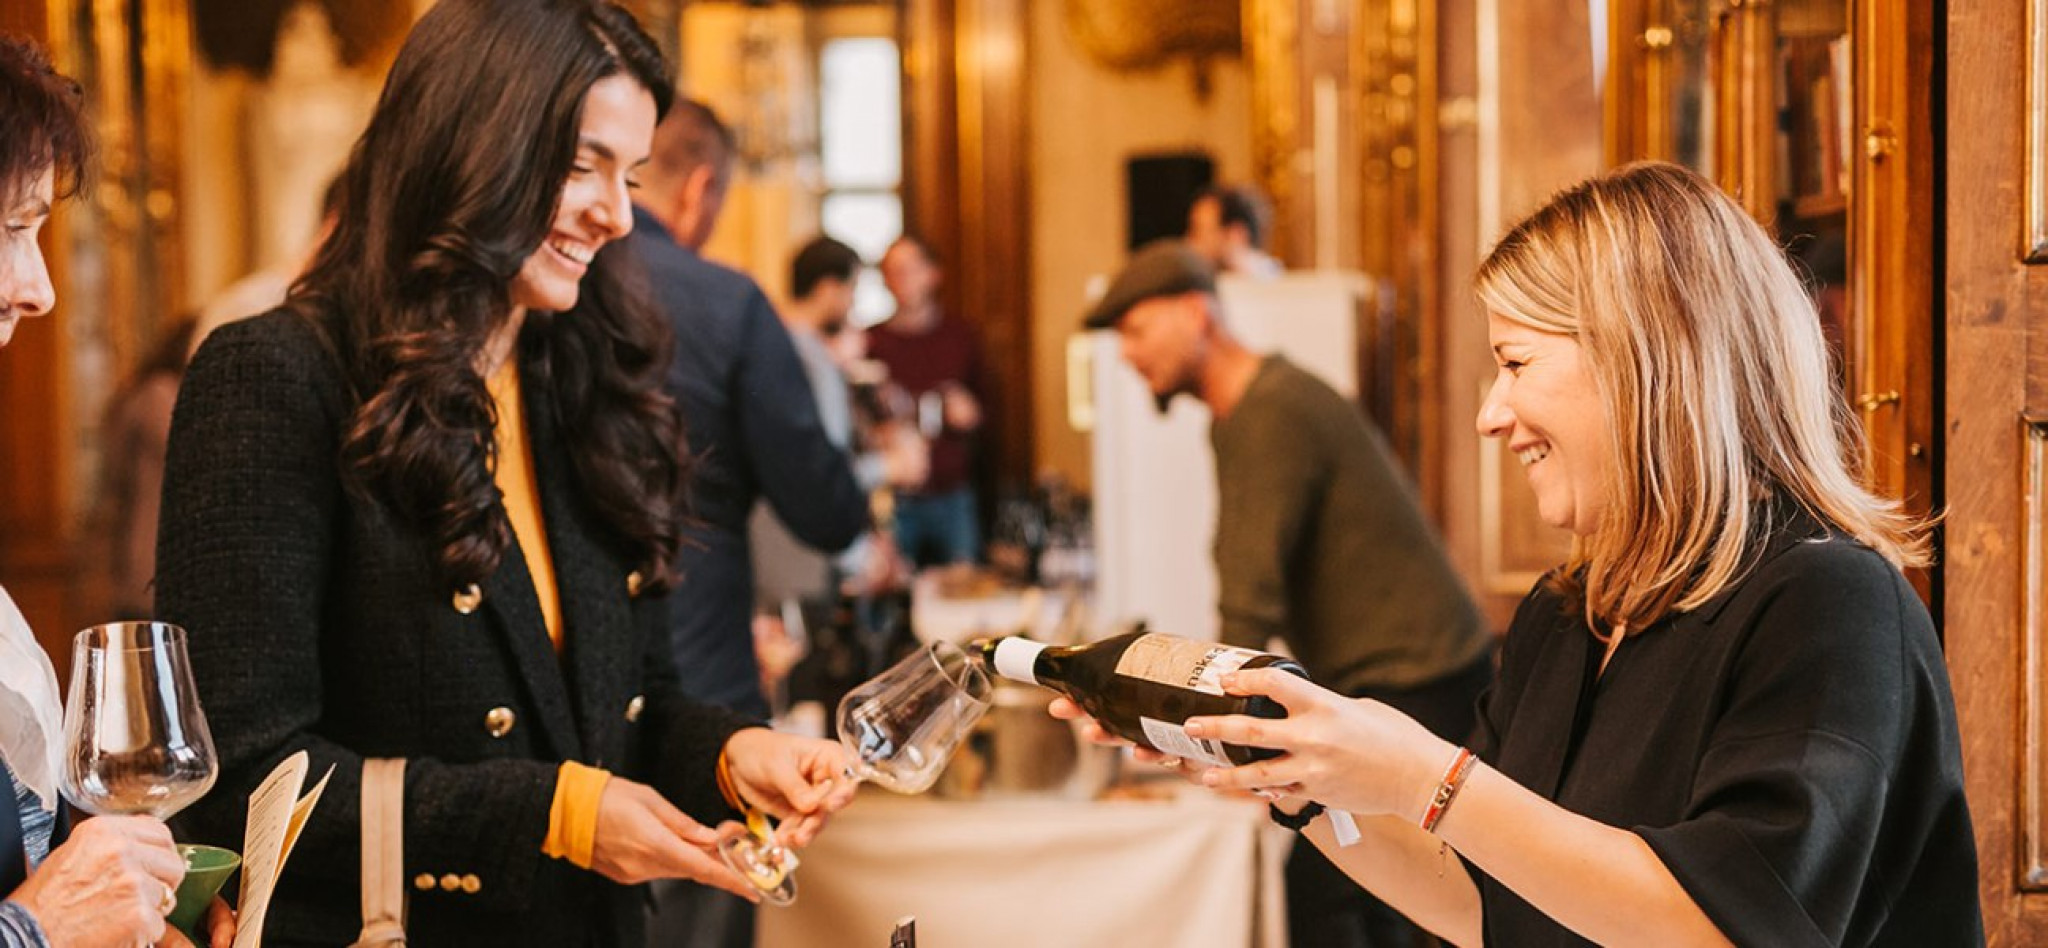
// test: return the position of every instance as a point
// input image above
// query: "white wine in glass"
(135, 740)
(901, 726)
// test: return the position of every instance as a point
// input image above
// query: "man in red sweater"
(936, 360)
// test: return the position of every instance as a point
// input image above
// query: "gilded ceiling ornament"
(1143, 34)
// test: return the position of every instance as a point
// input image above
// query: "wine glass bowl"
(135, 739)
(903, 724)
(901, 727)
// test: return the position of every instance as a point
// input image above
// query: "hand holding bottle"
(1352, 754)
(1065, 709)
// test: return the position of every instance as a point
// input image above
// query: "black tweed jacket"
(317, 623)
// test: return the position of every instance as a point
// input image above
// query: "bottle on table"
(1144, 686)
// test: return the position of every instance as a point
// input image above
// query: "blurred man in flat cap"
(1319, 542)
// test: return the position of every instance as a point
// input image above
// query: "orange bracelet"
(1447, 788)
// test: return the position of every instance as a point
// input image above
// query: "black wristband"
(1296, 821)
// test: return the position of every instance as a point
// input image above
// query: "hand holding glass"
(901, 726)
(135, 739)
(135, 742)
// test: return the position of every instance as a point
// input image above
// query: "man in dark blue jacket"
(747, 408)
(753, 428)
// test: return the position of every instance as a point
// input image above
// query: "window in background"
(860, 116)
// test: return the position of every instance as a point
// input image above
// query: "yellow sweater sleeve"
(572, 819)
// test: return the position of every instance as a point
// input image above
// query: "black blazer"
(317, 623)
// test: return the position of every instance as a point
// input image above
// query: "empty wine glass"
(901, 726)
(135, 738)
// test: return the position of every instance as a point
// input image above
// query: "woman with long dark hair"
(426, 508)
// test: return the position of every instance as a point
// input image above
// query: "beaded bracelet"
(1447, 788)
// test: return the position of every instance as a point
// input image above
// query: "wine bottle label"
(1182, 663)
(1173, 739)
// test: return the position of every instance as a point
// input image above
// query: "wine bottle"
(1144, 686)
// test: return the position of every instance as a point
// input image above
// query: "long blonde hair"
(1709, 359)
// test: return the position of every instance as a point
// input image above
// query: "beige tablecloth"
(1188, 873)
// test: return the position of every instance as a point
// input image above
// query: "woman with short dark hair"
(111, 882)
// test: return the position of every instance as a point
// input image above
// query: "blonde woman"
(1725, 719)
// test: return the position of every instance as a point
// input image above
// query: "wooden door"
(1996, 465)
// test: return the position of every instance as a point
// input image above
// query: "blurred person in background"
(262, 291)
(426, 509)
(106, 882)
(935, 358)
(1320, 543)
(754, 434)
(822, 278)
(1228, 227)
(137, 433)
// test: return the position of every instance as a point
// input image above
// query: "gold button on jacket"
(451, 882)
(634, 707)
(423, 882)
(471, 884)
(499, 721)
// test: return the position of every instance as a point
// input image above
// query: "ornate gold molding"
(1142, 34)
(1272, 32)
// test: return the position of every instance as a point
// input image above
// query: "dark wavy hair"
(450, 189)
(42, 125)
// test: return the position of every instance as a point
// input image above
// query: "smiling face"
(24, 279)
(595, 207)
(1545, 405)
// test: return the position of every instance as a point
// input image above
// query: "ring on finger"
(168, 903)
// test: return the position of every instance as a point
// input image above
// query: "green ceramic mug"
(207, 868)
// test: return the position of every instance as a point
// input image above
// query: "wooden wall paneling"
(1272, 30)
(35, 416)
(966, 193)
(995, 234)
(1995, 331)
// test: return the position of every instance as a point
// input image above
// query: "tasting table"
(1192, 871)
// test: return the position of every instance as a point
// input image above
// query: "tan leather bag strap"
(383, 819)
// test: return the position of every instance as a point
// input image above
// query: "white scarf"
(31, 713)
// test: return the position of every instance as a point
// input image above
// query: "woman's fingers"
(1273, 733)
(1294, 692)
(1281, 776)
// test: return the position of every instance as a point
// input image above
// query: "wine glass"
(901, 727)
(135, 739)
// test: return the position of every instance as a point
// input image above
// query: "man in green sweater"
(1319, 542)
